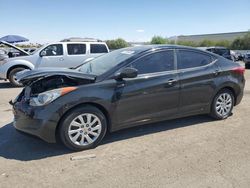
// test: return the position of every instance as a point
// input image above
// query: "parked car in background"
(247, 60)
(3, 54)
(238, 56)
(234, 55)
(222, 51)
(29, 50)
(12, 50)
(125, 88)
(60, 54)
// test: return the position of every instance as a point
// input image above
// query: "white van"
(66, 53)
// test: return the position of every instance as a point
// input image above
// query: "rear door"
(76, 54)
(197, 75)
(153, 94)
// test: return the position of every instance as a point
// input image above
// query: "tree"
(187, 43)
(117, 43)
(206, 43)
(224, 43)
(242, 43)
(158, 40)
(237, 44)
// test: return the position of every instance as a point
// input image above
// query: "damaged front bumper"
(35, 121)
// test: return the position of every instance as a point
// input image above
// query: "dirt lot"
(188, 152)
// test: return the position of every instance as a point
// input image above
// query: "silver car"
(64, 54)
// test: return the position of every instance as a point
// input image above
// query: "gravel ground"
(189, 152)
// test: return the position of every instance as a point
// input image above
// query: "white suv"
(66, 53)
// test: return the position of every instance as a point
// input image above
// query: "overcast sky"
(134, 20)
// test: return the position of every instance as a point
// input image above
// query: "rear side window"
(156, 62)
(191, 59)
(76, 49)
(98, 48)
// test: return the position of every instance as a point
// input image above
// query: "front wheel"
(222, 105)
(12, 76)
(83, 128)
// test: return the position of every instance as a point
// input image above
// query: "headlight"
(48, 96)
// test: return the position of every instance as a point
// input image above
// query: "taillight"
(239, 70)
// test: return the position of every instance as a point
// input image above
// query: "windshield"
(107, 61)
(38, 49)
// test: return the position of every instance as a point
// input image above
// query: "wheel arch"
(230, 88)
(96, 105)
(16, 66)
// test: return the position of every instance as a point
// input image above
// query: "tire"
(222, 105)
(80, 137)
(12, 74)
(247, 65)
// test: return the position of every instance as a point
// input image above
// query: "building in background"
(213, 37)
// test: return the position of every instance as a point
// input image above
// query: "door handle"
(61, 59)
(171, 82)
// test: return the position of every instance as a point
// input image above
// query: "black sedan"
(125, 88)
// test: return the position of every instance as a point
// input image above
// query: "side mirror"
(127, 72)
(42, 53)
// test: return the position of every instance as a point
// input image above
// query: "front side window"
(190, 59)
(53, 50)
(76, 49)
(156, 62)
(98, 48)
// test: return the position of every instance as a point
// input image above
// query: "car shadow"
(155, 127)
(4, 85)
(23, 147)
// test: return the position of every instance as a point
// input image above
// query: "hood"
(28, 76)
(15, 47)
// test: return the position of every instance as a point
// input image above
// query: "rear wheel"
(12, 76)
(83, 128)
(222, 104)
(247, 65)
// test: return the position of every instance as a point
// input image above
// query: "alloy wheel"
(85, 129)
(224, 104)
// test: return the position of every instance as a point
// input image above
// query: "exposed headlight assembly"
(48, 96)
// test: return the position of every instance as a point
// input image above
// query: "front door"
(153, 94)
(51, 56)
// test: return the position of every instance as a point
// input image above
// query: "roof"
(159, 46)
(145, 48)
(155, 46)
(212, 47)
(79, 39)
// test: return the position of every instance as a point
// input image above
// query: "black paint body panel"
(145, 99)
